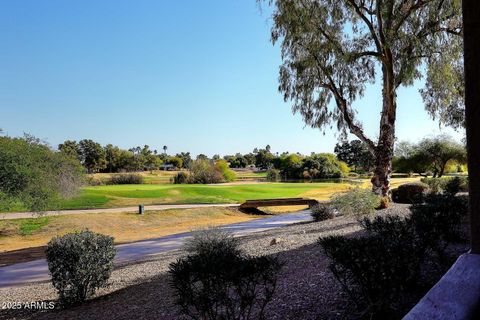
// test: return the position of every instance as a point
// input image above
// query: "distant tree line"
(97, 158)
(430, 157)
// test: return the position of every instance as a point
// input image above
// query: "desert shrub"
(203, 241)
(181, 178)
(456, 185)
(93, 181)
(383, 270)
(384, 203)
(410, 192)
(451, 185)
(438, 221)
(203, 172)
(373, 271)
(79, 263)
(273, 175)
(218, 281)
(356, 202)
(435, 185)
(125, 178)
(320, 212)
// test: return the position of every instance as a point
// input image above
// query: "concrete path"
(35, 271)
(157, 207)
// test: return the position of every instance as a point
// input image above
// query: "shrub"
(356, 202)
(435, 185)
(384, 203)
(218, 281)
(384, 269)
(222, 167)
(181, 178)
(34, 177)
(273, 175)
(204, 172)
(92, 181)
(320, 212)
(79, 263)
(439, 221)
(410, 192)
(125, 178)
(372, 270)
(456, 185)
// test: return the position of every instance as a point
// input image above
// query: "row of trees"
(431, 156)
(97, 158)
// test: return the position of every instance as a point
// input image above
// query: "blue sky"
(198, 76)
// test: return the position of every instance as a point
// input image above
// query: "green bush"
(228, 174)
(273, 175)
(34, 177)
(356, 202)
(125, 178)
(218, 281)
(383, 270)
(320, 212)
(204, 172)
(451, 185)
(181, 178)
(439, 221)
(456, 185)
(435, 185)
(410, 192)
(372, 270)
(80, 263)
(92, 181)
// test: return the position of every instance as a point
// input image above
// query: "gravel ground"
(306, 287)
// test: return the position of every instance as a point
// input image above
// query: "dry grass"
(125, 227)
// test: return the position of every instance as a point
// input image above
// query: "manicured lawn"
(123, 195)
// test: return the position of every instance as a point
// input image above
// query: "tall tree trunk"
(386, 140)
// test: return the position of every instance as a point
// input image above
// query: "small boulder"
(274, 241)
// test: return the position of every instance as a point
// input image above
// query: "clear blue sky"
(198, 76)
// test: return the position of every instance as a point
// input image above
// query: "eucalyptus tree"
(332, 49)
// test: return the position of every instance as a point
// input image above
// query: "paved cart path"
(37, 270)
(156, 207)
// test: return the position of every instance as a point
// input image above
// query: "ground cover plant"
(219, 281)
(79, 264)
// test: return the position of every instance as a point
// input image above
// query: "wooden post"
(471, 31)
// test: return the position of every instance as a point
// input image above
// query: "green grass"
(118, 195)
(29, 226)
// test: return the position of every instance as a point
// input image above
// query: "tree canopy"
(34, 177)
(331, 50)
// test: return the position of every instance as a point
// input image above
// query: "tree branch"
(368, 24)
